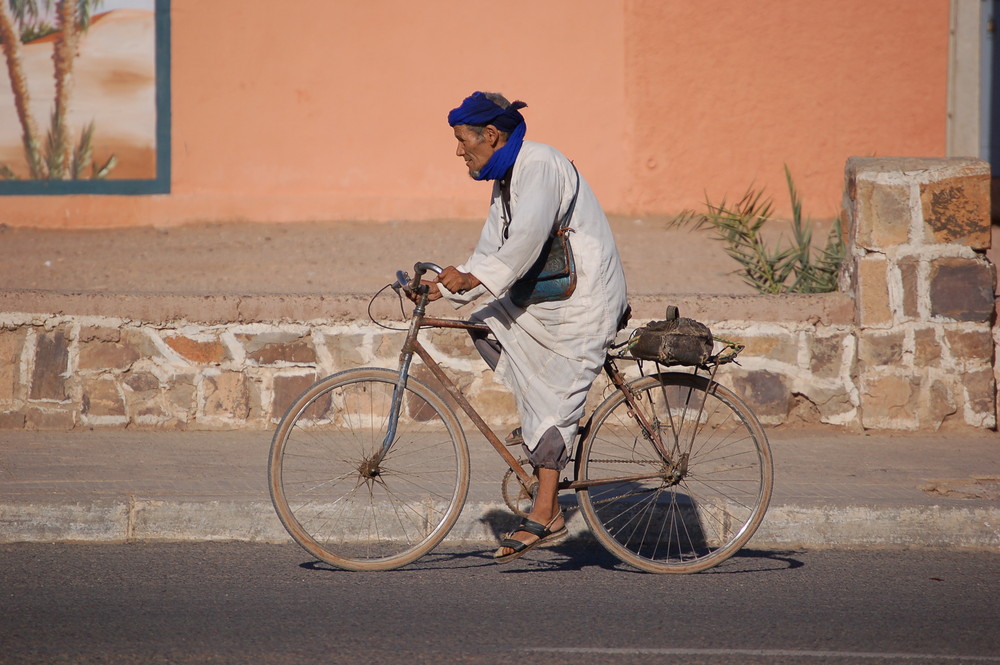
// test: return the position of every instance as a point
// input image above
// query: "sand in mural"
(112, 88)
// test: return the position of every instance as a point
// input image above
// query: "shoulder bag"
(553, 275)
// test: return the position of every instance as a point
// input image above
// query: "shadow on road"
(575, 554)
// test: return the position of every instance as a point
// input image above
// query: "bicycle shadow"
(583, 550)
(578, 552)
(573, 555)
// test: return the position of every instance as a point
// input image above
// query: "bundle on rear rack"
(674, 341)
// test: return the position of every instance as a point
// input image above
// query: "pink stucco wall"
(722, 94)
(336, 110)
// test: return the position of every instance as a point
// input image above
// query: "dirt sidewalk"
(316, 258)
(332, 258)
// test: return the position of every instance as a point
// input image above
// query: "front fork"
(405, 358)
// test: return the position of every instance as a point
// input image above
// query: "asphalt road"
(243, 603)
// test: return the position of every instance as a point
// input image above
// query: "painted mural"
(78, 93)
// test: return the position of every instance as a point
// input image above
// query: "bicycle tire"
(692, 516)
(333, 505)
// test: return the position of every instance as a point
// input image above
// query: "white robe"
(553, 351)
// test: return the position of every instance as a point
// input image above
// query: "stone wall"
(909, 343)
(63, 371)
(925, 306)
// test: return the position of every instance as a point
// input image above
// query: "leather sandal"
(514, 438)
(545, 536)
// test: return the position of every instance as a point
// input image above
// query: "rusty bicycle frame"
(672, 472)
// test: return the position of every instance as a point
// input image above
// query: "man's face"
(475, 149)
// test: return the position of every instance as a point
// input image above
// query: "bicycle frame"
(692, 472)
(412, 346)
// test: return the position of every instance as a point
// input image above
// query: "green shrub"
(796, 268)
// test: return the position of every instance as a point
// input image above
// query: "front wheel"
(343, 505)
(678, 481)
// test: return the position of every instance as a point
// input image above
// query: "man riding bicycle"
(548, 350)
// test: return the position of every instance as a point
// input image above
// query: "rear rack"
(726, 354)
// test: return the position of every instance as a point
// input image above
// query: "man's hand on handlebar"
(457, 281)
(432, 291)
(453, 279)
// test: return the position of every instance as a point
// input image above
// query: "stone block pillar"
(924, 290)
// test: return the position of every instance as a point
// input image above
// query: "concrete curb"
(787, 525)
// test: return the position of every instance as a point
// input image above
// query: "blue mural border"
(158, 185)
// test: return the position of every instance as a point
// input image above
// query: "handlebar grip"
(420, 269)
(424, 266)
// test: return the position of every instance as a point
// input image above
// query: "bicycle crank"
(516, 494)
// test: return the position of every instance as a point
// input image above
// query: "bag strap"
(505, 200)
(564, 223)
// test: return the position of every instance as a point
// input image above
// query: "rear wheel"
(342, 506)
(689, 494)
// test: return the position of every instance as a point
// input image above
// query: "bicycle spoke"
(710, 494)
(346, 502)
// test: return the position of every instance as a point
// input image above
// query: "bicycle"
(369, 467)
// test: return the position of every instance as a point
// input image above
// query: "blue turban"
(477, 109)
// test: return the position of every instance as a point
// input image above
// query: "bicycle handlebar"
(403, 279)
(421, 268)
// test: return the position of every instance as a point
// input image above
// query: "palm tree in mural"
(11, 41)
(21, 20)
